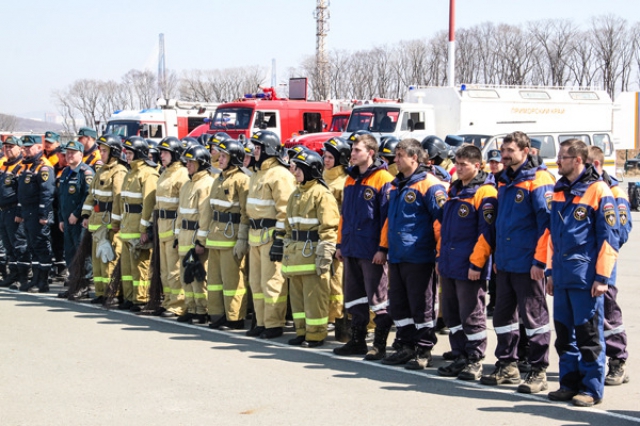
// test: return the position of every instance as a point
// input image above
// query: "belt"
(8, 207)
(262, 223)
(133, 208)
(167, 214)
(305, 235)
(102, 206)
(226, 217)
(189, 225)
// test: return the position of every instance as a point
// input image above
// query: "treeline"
(557, 52)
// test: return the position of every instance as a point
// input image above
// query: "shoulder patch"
(441, 197)
(488, 213)
(44, 174)
(610, 214)
(622, 212)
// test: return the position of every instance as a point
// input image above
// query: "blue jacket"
(468, 228)
(364, 211)
(584, 232)
(522, 225)
(9, 181)
(413, 221)
(72, 191)
(36, 187)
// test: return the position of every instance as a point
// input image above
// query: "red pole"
(451, 71)
(452, 20)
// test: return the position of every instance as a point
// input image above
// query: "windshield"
(378, 119)
(231, 118)
(339, 123)
(123, 128)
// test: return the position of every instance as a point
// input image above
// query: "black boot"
(23, 279)
(33, 282)
(379, 350)
(43, 282)
(11, 277)
(356, 346)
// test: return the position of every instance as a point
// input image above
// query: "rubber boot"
(10, 278)
(43, 282)
(33, 282)
(343, 329)
(379, 349)
(23, 278)
(356, 346)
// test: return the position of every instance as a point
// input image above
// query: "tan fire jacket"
(227, 202)
(194, 197)
(312, 214)
(168, 198)
(103, 203)
(335, 178)
(138, 193)
(269, 190)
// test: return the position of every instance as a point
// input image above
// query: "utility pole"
(321, 16)
(161, 68)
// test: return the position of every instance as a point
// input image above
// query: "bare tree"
(609, 33)
(554, 38)
(8, 123)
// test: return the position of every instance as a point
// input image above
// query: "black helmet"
(454, 140)
(204, 139)
(388, 146)
(310, 163)
(173, 145)
(153, 150)
(340, 149)
(291, 152)
(218, 138)
(200, 154)
(269, 141)
(353, 136)
(187, 142)
(234, 150)
(113, 142)
(138, 146)
(436, 148)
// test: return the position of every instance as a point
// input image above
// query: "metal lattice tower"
(321, 16)
(161, 67)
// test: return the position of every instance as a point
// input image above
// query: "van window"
(548, 149)
(266, 120)
(603, 141)
(312, 122)
(410, 119)
(152, 131)
(584, 138)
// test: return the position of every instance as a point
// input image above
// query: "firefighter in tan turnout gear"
(138, 199)
(311, 235)
(225, 226)
(101, 214)
(269, 190)
(170, 184)
(194, 197)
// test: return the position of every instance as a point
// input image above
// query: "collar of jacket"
(439, 172)
(400, 181)
(609, 180)
(580, 185)
(14, 161)
(305, 186)
(137, 164)
(527, 170)
(378, 164)
(334, 173)
(229, 171)
(199, 175)
(464, 191)
(270, 163)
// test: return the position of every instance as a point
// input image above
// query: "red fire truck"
(315, 141)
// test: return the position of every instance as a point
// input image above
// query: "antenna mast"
(321, 16)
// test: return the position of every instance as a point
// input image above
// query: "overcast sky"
(46, 45)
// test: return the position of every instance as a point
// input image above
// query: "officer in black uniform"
(72, 191)
(36, 186)
(12, 232)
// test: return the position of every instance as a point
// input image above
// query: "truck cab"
(315, 141)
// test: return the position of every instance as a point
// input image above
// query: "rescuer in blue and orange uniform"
(413, 225)
(583, 249)
(525, 189)
(364, 211)
(87, 137)
(466, 243)
(615, 336)
(50, 152)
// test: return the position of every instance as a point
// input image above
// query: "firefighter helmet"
(310, 163)
(138, 146)
(291, 152)
(340, 149)
(353, 136)
(199, 154)
(187, 142)
(113, 142)
(173, 145)
(204, 140)
(269, 141)
(154, 154)
(217, 138)
(234, 150)
(435, 147)
(388, 146)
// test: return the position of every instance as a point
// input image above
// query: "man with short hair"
(87, 137)
(412, 228)
(615, 336)
(362, 249)
(583, 249)
(464, 264)
(522, 232)
(50, 152)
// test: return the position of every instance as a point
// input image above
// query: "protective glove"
(104, 248)
(277, 248)
(136, 247)
(242, 246)
(324, 257)
(175, 244)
